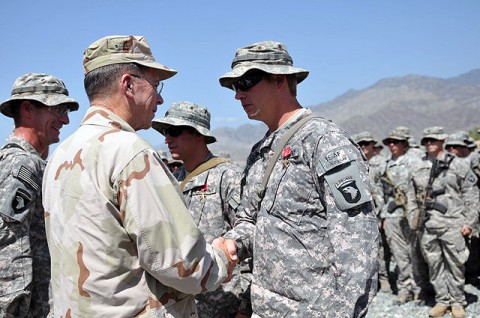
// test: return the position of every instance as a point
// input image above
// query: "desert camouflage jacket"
(315, 235)
(122, 242)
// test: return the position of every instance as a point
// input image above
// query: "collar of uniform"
(23, 143)
(271, 138)
(101, 116)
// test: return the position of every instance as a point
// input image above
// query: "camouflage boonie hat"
(268, 56)
(435, 132)
(396, 134)
(118, 49)
(40, 87)
(471, 143)
(363, 136)
(459, 138)
(186, 114)
(412, 142)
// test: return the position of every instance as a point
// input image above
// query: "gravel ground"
(383, 306)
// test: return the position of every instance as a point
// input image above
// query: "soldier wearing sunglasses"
(444, 188)
(312, 230)
(211, 188)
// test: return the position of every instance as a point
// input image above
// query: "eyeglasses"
(455, 146)
(175, 131)
(427, 140)
(364, 143)
(245, 83)
(157, 87)
(60, 110)
(394, 141)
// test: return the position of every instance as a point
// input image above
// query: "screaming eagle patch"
(348, 188)
(21, 200)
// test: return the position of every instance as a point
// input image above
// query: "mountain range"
(414, 101)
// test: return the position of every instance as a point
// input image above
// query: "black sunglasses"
(426, 140)
(175, 131)
(246, 82)
(365, 143)
(394, 141)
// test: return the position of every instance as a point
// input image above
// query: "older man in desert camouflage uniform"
(39, 106)
(314, 235)
(443, 203)
(122, 242)
(211, 186)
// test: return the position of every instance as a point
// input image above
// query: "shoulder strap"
(12, 145)
(207, 165)
(278, 148)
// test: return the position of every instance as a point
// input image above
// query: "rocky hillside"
(414, 101)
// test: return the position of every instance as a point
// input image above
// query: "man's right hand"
(229, 247)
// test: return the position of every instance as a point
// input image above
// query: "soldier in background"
(394, 182)
(121, 240)
(211, 187)
(460, 145)
(378, 148)
(312, 228)
(39, 106)
(376, 164)
(443, 203)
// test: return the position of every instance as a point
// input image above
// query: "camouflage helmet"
(186, 114)
(460, 138)
(268, 56)
(435, 132)
(365, 136)
(40, 87)
(398, 133)
(118, 49)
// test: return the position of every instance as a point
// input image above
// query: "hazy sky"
(344, 44)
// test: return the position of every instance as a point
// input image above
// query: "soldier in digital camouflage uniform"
(121, 240)
(393, 180)
(39, 106)
(376, 164)
(460, 145)
(314, 236)
(211, 186)
(451, 203)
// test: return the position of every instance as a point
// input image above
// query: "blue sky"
(344, 44)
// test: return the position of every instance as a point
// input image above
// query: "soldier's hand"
(229, 247)
(466, 230)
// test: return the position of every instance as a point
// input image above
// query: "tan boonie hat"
(186, 114)
(435, 132)
(40, 87)
(363, 136)
(268, 56)
(118, 49)
(396, 134)
(459, 138)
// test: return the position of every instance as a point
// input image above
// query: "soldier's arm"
(470, 196)
(169, 245)
(352, 227)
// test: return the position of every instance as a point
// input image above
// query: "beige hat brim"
(227, 79)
